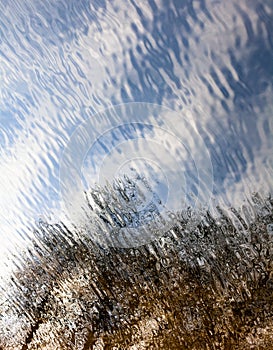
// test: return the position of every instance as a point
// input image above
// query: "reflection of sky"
(60, 62)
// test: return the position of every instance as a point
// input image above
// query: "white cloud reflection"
(57, 84)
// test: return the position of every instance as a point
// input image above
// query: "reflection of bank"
(210, 285)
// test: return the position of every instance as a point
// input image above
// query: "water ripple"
(63, 63)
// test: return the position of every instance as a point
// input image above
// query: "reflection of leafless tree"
(211, 287)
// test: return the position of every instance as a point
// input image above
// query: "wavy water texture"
(206, 287)
(62, 63)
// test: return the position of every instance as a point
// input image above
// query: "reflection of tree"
(209, 287)
(127, 204)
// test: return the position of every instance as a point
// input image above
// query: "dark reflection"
(209, 287)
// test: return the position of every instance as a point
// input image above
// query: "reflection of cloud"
(57, 73)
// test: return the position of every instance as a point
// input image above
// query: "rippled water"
(176, 95)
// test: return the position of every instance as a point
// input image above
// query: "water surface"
(64, 64)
